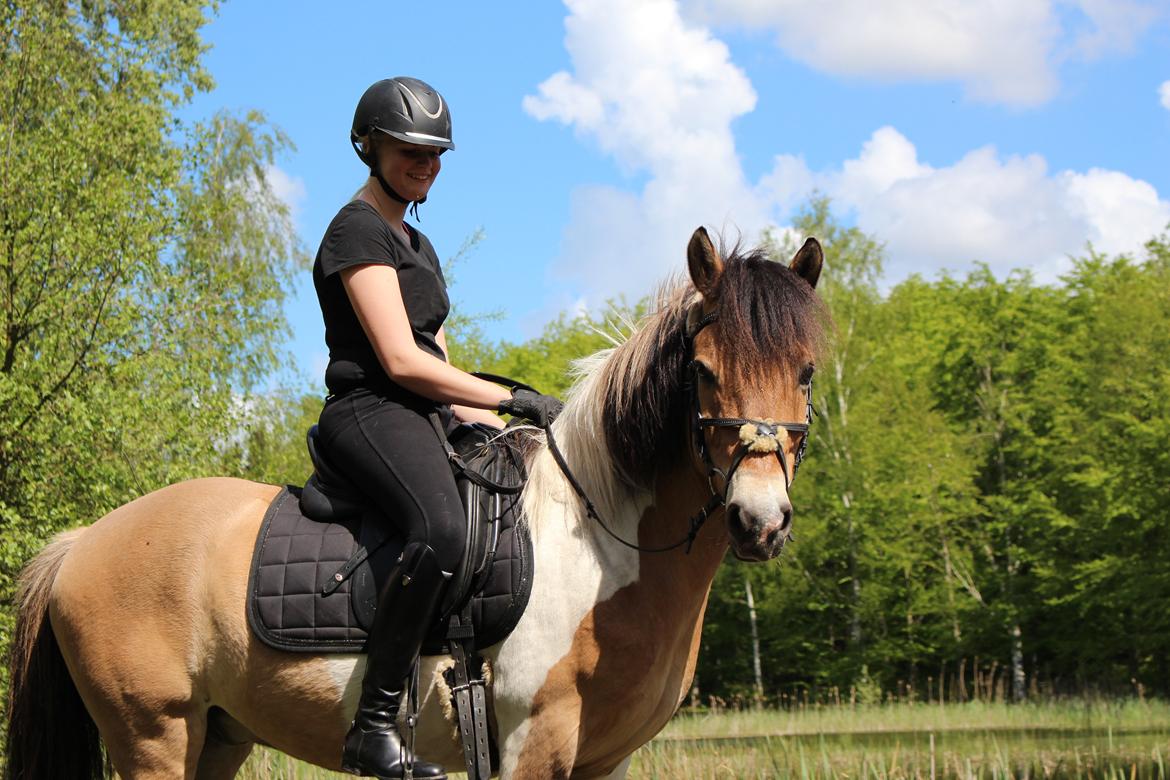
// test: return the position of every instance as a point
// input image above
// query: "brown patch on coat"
(633, 656)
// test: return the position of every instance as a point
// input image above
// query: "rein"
(754, 436)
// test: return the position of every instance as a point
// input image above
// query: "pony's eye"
(807, 374)
(705, 373)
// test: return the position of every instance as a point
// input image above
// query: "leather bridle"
(763, 429)
(753, 433)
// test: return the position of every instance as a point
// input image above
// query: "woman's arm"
(377, 300)
(467, 413)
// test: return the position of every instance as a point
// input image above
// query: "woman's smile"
(411, 169)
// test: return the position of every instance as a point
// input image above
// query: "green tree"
(997, 339)
(143, 263)
(1110, 475)
(546, 361)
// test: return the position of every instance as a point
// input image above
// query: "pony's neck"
(652, 517)
(622, 432)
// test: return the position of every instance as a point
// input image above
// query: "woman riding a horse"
(383, 299)
(133, 638)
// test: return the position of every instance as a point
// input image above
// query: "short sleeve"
(359, 236)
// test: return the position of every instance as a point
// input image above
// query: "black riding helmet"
(403, 108)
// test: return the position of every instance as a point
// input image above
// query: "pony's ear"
(808, 261)
(704, 263)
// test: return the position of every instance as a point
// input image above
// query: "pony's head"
(753, 365)
(720, 382)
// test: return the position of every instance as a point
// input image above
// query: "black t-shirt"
(358, 235)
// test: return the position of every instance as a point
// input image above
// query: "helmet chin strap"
(376, 170)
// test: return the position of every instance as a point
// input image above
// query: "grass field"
(1111, 740)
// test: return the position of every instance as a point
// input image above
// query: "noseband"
(754, 436)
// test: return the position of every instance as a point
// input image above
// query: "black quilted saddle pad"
(305, 595)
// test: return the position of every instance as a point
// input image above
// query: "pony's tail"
(50, 733)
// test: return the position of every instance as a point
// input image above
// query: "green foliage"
(987, 477)
(546, 361)
(143, 263)
(986, 488)
(269, 446)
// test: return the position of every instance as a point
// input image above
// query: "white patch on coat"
(577, 564)
(346, 673)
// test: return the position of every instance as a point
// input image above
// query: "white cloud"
(289, 189)
(1007, 212)
(1000, 51)
(659, 95)
(1121, 213)
(1112, 25)
(1164, 93)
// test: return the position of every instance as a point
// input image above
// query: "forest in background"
(985, 503)
(982, 512)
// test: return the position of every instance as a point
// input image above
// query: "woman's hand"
(541, 409)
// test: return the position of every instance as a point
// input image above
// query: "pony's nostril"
(774, 536)
(786, 521)
(735, 518)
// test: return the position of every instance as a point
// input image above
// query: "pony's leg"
(619, 772)
(541, 745)
(130, 652)
(143, 703)
(225, 748)
(166, 748)
(221, 760)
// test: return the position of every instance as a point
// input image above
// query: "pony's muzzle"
(759, 517)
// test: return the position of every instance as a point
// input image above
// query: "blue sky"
(593, 137)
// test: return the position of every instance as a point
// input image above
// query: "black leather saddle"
(323, 553)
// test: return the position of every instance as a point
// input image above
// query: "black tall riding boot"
(406, 608)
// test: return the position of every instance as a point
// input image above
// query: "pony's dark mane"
(767, 311)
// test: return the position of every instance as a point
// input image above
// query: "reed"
(775, 759)
(1056, 740)
(1081, 714)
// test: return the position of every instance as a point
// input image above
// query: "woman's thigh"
(393, 454)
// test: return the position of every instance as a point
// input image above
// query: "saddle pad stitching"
(511, 571)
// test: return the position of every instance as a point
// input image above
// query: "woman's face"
(410, 169)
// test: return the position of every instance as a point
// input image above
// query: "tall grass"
(1073, 739)
(1082, 714)
(796, 757)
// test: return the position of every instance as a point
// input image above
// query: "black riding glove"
(531, 405)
